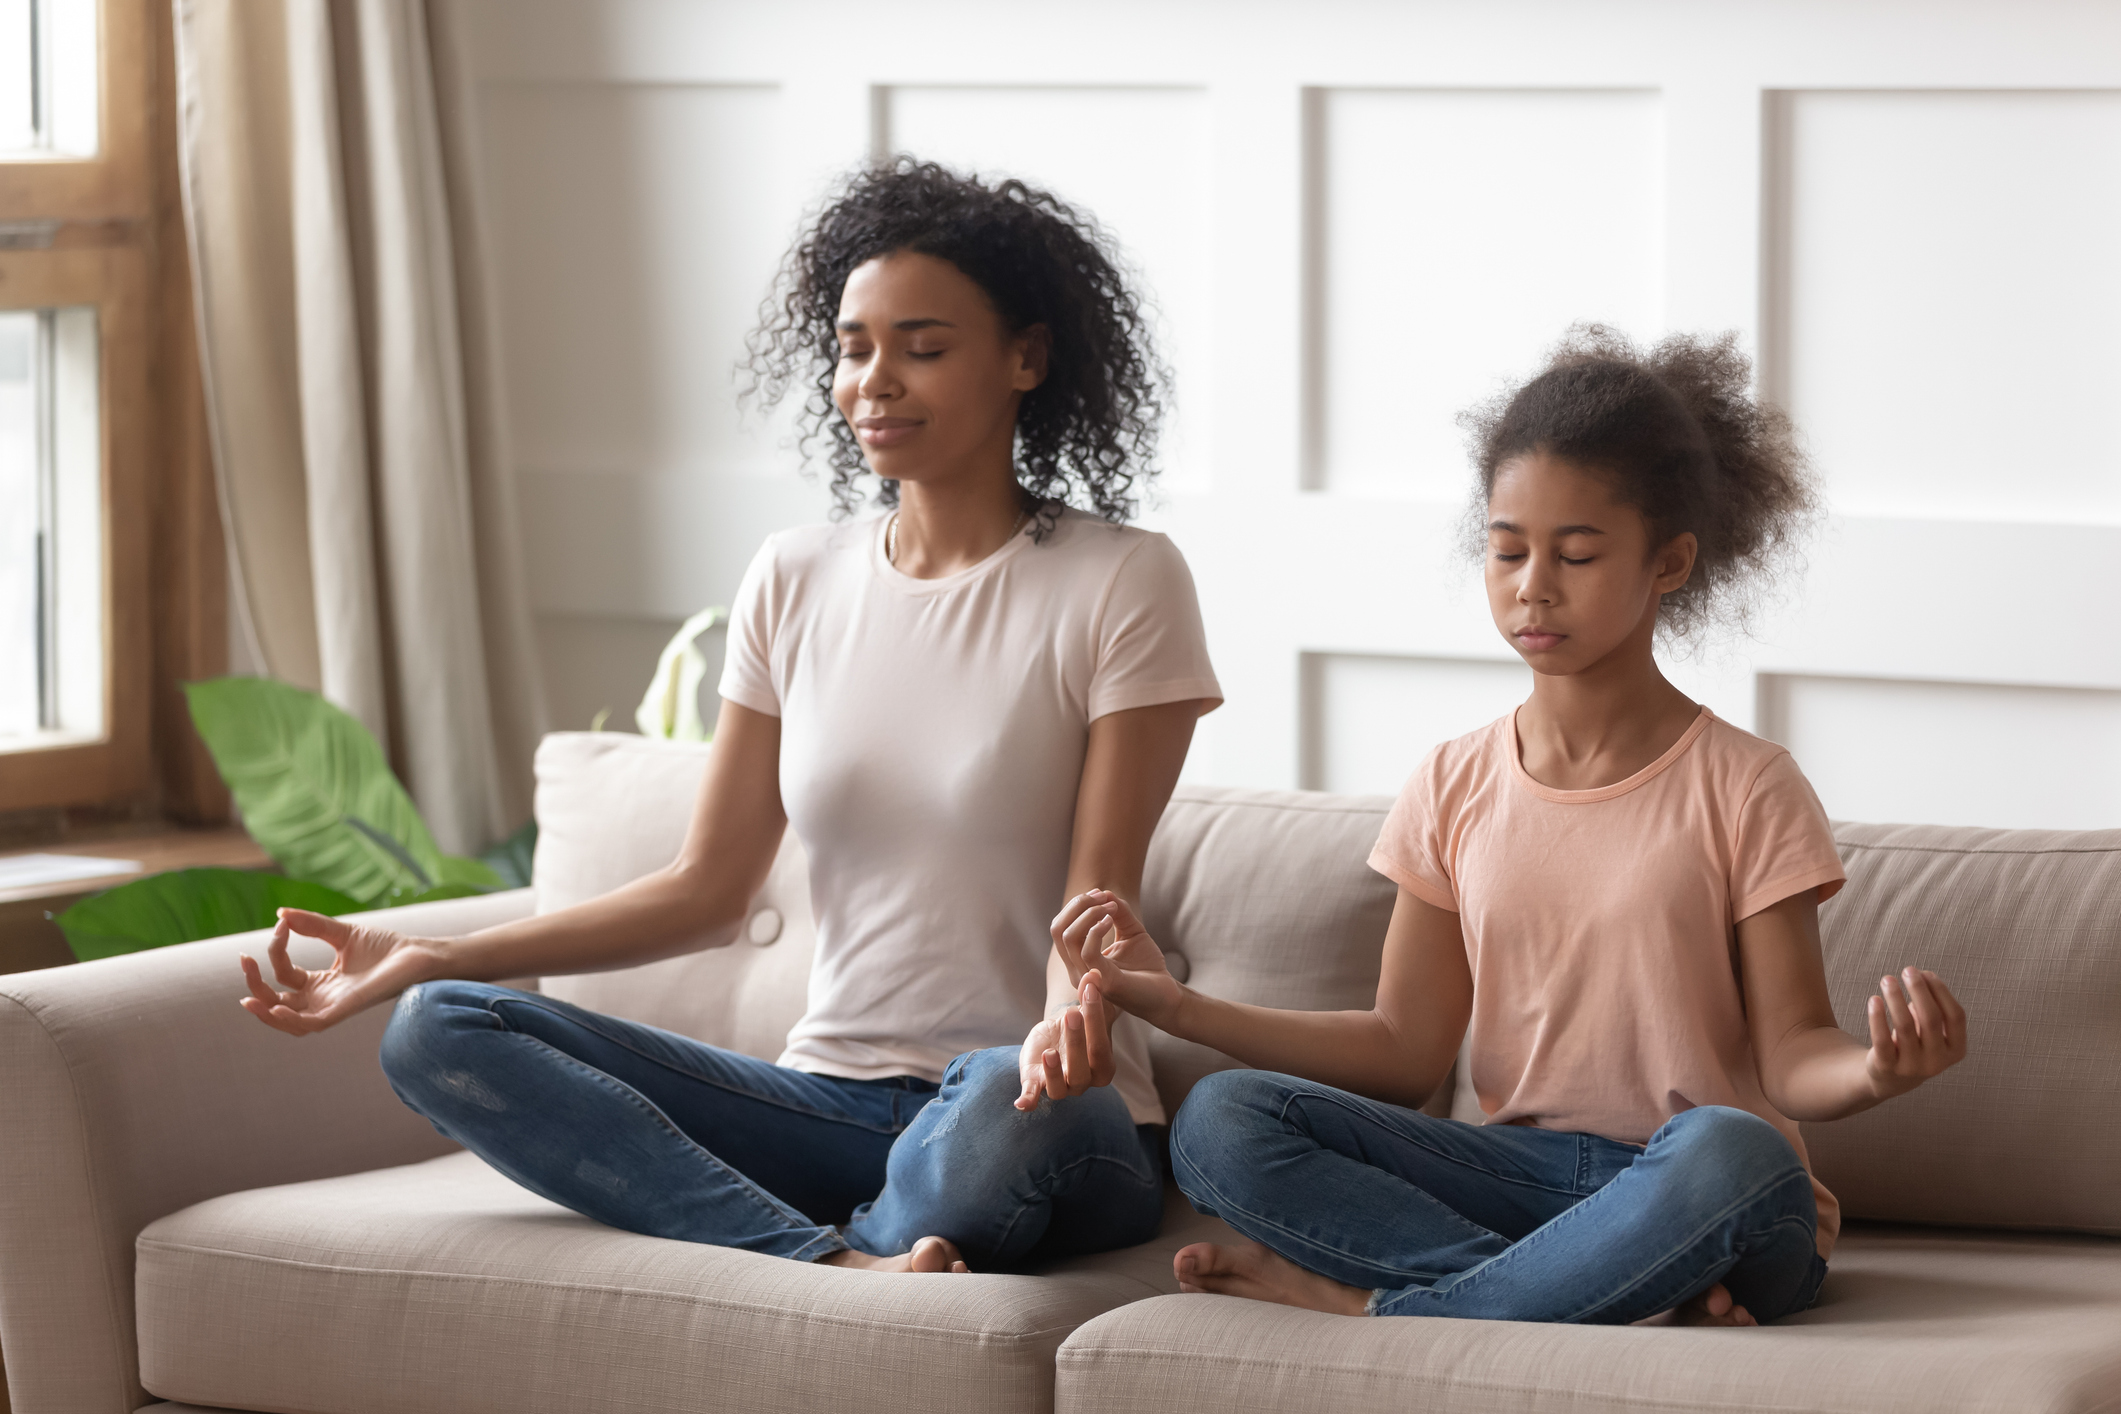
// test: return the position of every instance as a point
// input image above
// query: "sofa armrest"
(134, 1087)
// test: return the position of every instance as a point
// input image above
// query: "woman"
(970, 709)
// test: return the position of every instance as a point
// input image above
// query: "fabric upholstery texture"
(1909, 1322)
(445, 1287)
(2025, 926)
(612, 807)
(135, 1087)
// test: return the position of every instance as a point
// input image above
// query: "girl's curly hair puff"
(1675, 432)
(1089, 428)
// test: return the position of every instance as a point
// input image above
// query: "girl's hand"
(1918, 1029)
(370, 965)
(1118, 962)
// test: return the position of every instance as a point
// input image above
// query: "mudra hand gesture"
(369, 965)
(1105, 944)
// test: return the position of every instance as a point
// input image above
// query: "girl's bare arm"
(1399, 1051)
(735, 832)
(1810, 1069)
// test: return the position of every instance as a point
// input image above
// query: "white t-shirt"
(932, 741)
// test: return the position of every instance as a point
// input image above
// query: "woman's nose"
(877, 381)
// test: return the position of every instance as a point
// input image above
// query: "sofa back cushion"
(2025, 926)
(1266, 897)
(612, 807)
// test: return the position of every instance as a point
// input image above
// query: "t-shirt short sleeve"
(1151, 648)
(747, 665)
(1410, 850)
(1785, 845)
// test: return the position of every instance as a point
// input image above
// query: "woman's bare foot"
(930, 1254)
(1250, 1270)
(1713, 1307)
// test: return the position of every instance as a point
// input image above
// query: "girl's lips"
(1537, 640)
(886, 434)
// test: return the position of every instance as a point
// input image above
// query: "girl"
(979, 700)
(1619, 891)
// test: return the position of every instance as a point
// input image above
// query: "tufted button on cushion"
(764, 927)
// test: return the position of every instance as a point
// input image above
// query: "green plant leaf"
(474, 874)
(510, 859)
(186, 905)
(315, 791)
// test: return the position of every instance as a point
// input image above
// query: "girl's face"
(928, 377)
(1571, 573)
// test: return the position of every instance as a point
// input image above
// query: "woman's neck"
(945, 528)
(1602, 725)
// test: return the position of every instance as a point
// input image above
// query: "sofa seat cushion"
(443, 1286)
(1913, 1321)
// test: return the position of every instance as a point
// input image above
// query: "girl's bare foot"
(930, 1254)
(1250, 1270)
(1713, 1307)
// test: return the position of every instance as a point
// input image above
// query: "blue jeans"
(655, 1133)
(1502, 1222)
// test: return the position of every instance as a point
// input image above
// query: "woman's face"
(1571, 572)
(929, 378)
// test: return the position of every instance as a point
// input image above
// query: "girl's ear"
(1034, 351)
(1675, 562)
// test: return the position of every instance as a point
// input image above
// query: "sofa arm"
(135, 1086)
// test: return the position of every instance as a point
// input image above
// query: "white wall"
(1356, 218)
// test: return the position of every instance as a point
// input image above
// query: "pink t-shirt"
(932, 741)
(1601, 924)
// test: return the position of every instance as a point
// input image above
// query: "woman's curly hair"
(1677, 434)
(1086, 434)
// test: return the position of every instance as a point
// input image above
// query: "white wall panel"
(1952, 753)
(1370, 718)
(1950, 299)
(1137, 159)
(1455, 235)
(642, 226)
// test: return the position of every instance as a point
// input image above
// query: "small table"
(29, 939)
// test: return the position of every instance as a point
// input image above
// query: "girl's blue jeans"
(1502, 1222)
(658, 1134)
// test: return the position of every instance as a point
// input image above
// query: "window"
(48, 87)
(51, 527)
(93, 298)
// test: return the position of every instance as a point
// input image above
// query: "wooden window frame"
(118, 244)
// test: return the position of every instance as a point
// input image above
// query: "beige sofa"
(196, 1209)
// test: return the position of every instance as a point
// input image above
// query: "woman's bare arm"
(1399, 1051)
(1812, 1070)
(735, 832)
(1129, 769)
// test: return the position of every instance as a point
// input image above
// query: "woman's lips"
(885, 431)
(1537, 640)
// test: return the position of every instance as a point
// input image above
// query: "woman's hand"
(369, 965)
(1108, 948)
(1918, 1029)
(1065, 1056)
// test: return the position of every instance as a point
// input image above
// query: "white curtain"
(352, 389)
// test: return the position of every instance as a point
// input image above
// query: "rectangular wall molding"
(1369, 718)
(1947, 753)
(1942, 294)
(1452, 235)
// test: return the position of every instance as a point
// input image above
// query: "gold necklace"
(891, 535)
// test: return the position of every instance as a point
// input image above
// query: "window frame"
(106, 251)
